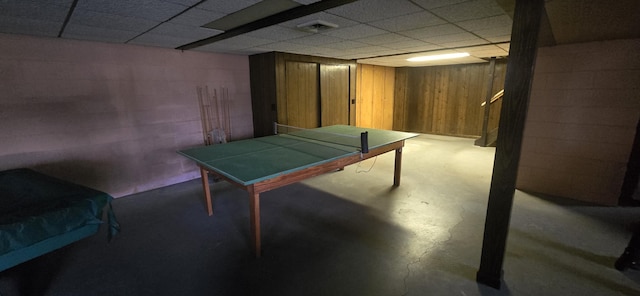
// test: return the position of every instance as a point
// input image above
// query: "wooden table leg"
(254, 207)
(398, 167)
(207, 192)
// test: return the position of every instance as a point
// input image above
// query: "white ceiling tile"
(344, 45)
(461, 43)
(485, 51)
(469, 10)
(36, 10)
(189, 32)
(361, 10)
(278, 33)
(111, 21)
(316, 40)
(409, 44)
(360, 30)
(433, 31)
(500, 21)
(499, 39)
(225, 6)
(430, 4)
(243, 41)
(147, 9)
(16, 25)
(196, 17)
(460, 37)
(383, 39)
(334, 19)
(286, 46)
(409, 21)
(97, 34)
(151, 39)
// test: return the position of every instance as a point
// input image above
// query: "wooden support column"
(520, 68)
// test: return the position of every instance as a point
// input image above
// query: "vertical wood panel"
(365, 106)
(302, 94)
(377, 109)
(400, 95)
(376, 96)
(444, 99)
(334, 94)
(388, 98)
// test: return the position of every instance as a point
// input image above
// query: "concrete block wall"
(582, 118)
(111, 116)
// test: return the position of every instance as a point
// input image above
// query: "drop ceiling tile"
(499, 39)
(454, 38)
(469, 10)
(286, 46)
(504, 46)
(334, 19)
(26, 26)
(189, 32)
(423, 48)
(316, 40)
(243, 41)
(383, 39)
(361, 10)
(408, 44)
(461, 43)
(278, 33)
(226, 6)
(430, 4)
(97, 34)
(36, 10)
(433, 31)
(151, 39)
(353, 32)
(499, 21)
(344, 45)
(196, 17)
(495, 33)
(409, 22)
(154, 10)
(111, 21)
(485, 51)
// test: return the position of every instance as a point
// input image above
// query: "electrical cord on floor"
(368, 170)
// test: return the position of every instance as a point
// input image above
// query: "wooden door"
(334, 94)
(303, 104)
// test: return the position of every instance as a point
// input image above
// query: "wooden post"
(254, 216)
(524, 37)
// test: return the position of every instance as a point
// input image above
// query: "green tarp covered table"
(40, 213)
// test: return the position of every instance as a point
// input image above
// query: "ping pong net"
(359, 142)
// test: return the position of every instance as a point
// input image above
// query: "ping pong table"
(262, 164)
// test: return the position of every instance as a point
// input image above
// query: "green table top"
(254, 160)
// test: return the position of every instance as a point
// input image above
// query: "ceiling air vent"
(316, 26)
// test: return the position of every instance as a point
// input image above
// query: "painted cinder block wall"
(111, 116)
(583, 112)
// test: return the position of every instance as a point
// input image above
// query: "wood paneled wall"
(443, 99)
(281, 79)
(375, 96)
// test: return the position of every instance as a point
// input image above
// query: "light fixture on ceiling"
(445, 56)
(316, 26)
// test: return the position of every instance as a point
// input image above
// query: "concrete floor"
(345, 233)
